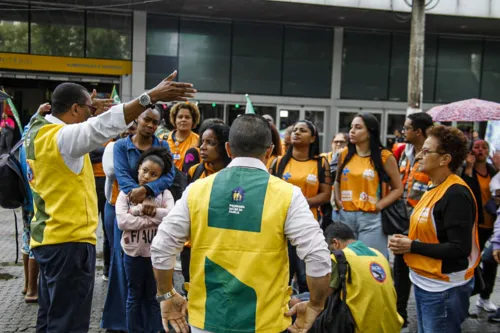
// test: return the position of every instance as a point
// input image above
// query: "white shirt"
(76, 140)
(301, 229)
(108, 165)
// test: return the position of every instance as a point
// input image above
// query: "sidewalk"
(17, 316)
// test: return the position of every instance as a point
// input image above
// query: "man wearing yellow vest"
(62, 181)
(371, 296)
(238, 221)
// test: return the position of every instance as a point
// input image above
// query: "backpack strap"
(274, 165)
(198, 172)
(344, 272)
(16, 146)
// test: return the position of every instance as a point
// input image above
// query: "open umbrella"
(3, 96)
(468, 110)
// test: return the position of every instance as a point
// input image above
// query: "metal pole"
(416, 61)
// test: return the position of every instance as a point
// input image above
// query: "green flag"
(13, 109)
(249, 108)
(114, 96)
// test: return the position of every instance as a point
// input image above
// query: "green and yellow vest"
(371, 296)
(65, 203)
(239, 256)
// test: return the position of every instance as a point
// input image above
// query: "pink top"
(138, 229)
(7, 123)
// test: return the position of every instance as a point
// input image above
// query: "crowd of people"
(257, 220)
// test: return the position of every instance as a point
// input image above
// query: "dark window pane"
(430, 64)
(307, 64)
(256, 70)
(398, 90)
(490, 86)
(211, 110)
(109, 35)
(236, 110)
(14, 28)
(58, 33)
(204, 54)
(162, 46)
(459, 69)
(346, 118)
(365, 65)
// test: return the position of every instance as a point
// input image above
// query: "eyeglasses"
(426, 152)
(339, 142)
(407, 128)
(92, 108)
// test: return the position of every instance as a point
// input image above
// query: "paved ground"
(17, 316)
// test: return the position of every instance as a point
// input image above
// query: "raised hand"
(168, 90)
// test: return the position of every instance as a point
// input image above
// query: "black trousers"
(489, 267)
(402, 284)
(100, 183)
(65, 287)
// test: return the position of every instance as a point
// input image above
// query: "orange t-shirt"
(359, 182)
(484, 184)
(179, 149)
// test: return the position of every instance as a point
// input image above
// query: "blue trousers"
(65, 287)
(442, 312)
(368, 228)
(143, 311)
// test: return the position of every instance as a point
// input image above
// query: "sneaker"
(495, 318)
(486, 305)
(105, 278)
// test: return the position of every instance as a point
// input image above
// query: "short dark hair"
(205, 124)
(421, 121)
(221, 132)
(340, 231)
(250, 136)
(451, 141)
(65, 95)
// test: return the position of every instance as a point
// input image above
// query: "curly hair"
(452, 142)
(193, 109)
(159, 155)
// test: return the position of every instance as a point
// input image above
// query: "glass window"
(307, 62)
(256, 70)
(162, 44)
(346, 118)
(288, 117)
(490, 85)
(430, 65)
(109, 35)
(394, 122)
(398, 90)
(365, 65)
(236, 110)
(459, 69)
(58, 33)
(211, 110)
(204, 54)
(14, 28)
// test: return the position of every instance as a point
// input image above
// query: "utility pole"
(416, 61)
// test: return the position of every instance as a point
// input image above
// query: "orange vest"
(179, 149)
(98, 170)
(328, 156)
(360, 188)
(418, 182)
(422, 228)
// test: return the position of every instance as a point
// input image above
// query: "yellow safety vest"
(239, 257)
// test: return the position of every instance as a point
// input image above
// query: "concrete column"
(338, 44)
(126, 88)
(138, 80)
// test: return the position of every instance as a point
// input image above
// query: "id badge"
(177, 157)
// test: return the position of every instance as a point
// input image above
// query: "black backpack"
(336, 317)
(179, 184)
(12, 183)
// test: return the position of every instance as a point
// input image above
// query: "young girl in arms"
(139, 225)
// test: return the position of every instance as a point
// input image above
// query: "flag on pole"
(10, 109)
(114, 96)
(249, 108)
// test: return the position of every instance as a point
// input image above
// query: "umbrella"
(468, 110)
(3, 96)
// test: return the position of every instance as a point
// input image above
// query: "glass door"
(289, 115)
(395, 121)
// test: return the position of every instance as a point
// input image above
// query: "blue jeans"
(442, 312)
(141, 286)
(367, 228)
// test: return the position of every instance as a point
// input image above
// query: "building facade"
(322, 60)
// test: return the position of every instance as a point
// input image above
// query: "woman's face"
(147, 123)
(184, 120)
(149, 171)
(431, 157)
(208, 149)
(359, 132)
(338, 143)
(480, 150)
(301, 135)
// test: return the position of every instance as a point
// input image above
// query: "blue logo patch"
(29, 173)
(287, 176)
(238, 195)
(377, 272)
(345, 171)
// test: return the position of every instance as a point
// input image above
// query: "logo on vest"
(29, 172)
(313, 179)
(287, 176)
(378, 272)
(424, 215)
(237, 196)
(369, 174)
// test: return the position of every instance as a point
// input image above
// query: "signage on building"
(30, 62)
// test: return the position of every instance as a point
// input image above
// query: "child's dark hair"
(159, 155)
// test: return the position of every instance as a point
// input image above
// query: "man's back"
(371, 296)
(239, 279)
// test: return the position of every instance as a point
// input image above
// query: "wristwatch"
(145, 100)
(167, 296)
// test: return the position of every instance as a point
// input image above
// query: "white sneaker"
(486, 304)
